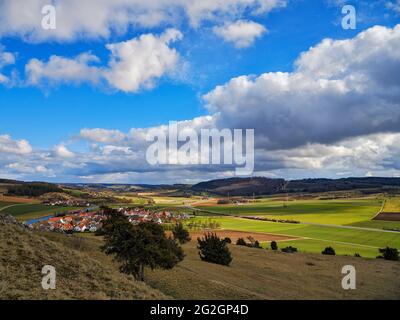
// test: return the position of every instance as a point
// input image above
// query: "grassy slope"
(79, 276)
(352, 239)
(262, 274)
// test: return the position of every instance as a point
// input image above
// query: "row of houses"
(74, 222)
(137, 215)
(67, 203)
(91, 221)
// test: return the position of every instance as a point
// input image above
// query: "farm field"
(316, 246)
(392, 205)
(139, 201)
(24, 212)
(336, 212)
(377, 224)
(6, 204)
(349, 240)
(172, 200)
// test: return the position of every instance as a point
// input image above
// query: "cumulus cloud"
(139, 62)
(10, 146)
(63, 70)
(102, 135)
(336, 114)
(241, 33)
(99, 18)
(134, 65)
(62, 151)
(339, 89)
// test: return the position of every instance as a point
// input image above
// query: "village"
(90, 220)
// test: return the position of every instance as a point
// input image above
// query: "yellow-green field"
(336, 212)
(314, 238)
(392, 205)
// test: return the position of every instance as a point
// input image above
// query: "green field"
(349, 241)
(30, 211)
(377, 224)
(317, 246)
(6, 204)
(337, 212)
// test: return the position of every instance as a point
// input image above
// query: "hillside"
(262, 274)
(79, 276)
(241, 186)
(265, 186)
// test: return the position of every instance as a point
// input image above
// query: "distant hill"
(32, 189)
(8, 181)
(265, 186)
(241, 186)
(79, 275)
(230, 186)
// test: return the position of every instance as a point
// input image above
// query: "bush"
(329, 251)
(274, 245)
(257, 245)
(180, 233)
(289, 249)
(253, 243)
(223, 201)
(241, 242)
(357, 255)
(213, 249)
(389, 254)
(228, 240)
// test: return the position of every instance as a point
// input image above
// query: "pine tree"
(180, 233)
(140, 246)
(213, 249)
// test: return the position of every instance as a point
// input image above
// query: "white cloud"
(100, 18)
(339, 89)
(10, 146)
(134, 65)
(241, 33)
(62, 151)
(6, 58)
(137, 63)
(63, 70)
(102, 135)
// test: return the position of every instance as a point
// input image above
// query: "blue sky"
(53, 111)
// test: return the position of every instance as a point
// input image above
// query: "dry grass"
(79, 276)
(262, 274)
